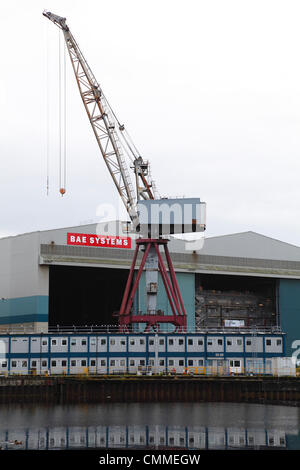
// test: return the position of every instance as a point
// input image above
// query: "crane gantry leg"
(152, 318)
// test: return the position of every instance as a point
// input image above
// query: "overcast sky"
(208, 90)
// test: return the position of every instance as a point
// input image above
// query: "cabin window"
(235, 363)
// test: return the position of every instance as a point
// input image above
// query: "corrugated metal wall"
(24, 309)
(186, 283)
(289, 306)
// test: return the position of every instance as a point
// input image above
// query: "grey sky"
(209, 91)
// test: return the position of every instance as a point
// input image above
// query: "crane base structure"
(153, 318)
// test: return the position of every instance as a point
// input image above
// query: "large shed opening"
(238, 301)
(82, 296)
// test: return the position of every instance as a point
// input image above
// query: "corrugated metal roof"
(250, 245)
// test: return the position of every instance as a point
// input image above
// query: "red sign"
(106, 241)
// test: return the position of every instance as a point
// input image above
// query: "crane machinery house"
(171, 216)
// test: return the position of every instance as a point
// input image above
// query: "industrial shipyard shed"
(76, 276)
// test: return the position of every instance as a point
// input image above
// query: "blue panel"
(289, 307)
(186, 283)
(168, 354)
(24, 309)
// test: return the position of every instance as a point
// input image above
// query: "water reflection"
(141, 437)
(156, 426)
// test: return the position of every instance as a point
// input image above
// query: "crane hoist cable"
(107, 129)
(124, 133)
(62, 115)
(47, 113)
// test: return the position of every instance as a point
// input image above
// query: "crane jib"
(110, 134)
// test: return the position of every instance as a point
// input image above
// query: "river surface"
(150, 426)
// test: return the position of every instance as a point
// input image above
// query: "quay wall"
(71, 390)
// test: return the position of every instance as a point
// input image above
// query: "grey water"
(150, 426)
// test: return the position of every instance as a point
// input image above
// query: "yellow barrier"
(195, 370)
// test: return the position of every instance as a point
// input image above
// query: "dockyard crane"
(110, 134)
(115, 143)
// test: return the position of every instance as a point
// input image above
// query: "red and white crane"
(115, 144)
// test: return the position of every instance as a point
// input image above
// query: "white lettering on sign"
(108, 241)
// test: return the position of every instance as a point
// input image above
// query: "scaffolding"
(216, 309)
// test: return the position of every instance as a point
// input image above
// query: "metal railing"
(164, 329)
(107, 329)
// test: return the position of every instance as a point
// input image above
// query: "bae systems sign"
(104, 241)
